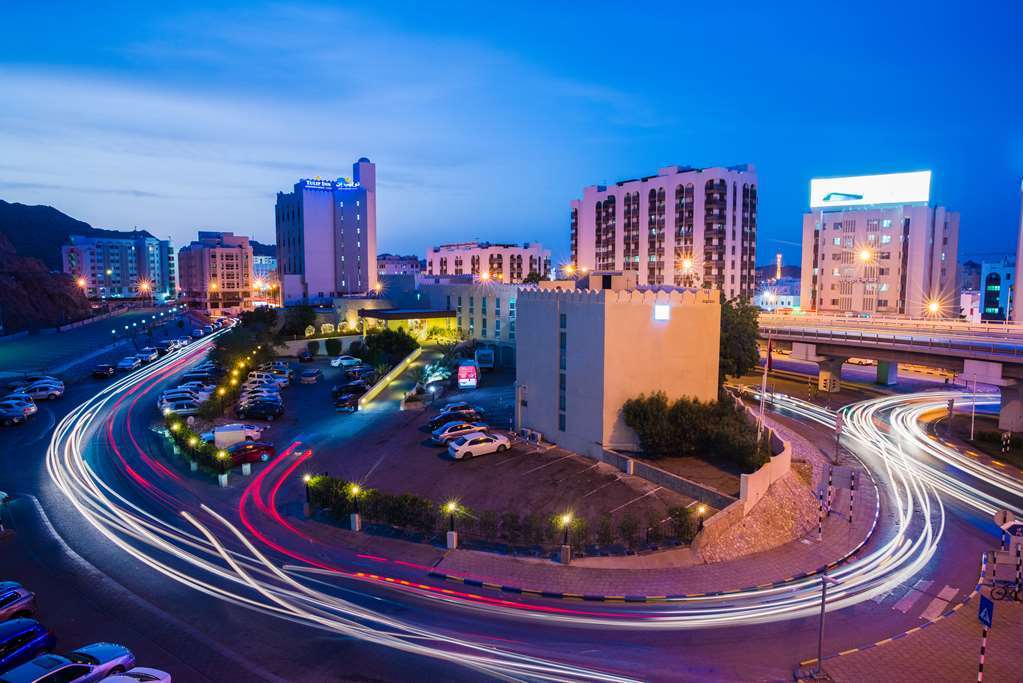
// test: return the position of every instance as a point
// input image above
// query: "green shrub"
(605, 530)
(313, 346)
(628, 527)
(333, 346)
(511, 527)
(488, 524)
(682, 524)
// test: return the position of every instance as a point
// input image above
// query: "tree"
(533, 278)
(297, 318)
(333, 346)
(313, 346)
(739, 353)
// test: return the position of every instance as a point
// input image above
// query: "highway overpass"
(986, 353)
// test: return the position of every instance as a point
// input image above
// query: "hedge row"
(416, 513)
(206, 454)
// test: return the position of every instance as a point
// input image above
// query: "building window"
(561, 422)
(563, 319)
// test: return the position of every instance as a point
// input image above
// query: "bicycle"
(1006, 591)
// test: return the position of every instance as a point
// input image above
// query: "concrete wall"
(297, 346)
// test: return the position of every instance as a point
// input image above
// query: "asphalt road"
(90, 589)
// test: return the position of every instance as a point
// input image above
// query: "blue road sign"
(986, 612)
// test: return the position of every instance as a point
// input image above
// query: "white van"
(228, 435)
(260, 376)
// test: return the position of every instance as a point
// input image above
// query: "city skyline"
(180, 124)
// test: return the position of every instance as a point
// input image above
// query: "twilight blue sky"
(485, 121)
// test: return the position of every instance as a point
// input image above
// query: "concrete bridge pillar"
(1010, 416)
(887, 373)
(829, 374)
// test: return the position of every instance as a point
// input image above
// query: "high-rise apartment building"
(875, 245)
(996, 289)
(135, 265)
(684, 226)
(216, 273)
(510, 263)
(327, 237)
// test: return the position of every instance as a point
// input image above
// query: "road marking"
(634, 500)
(912, 595)
(592, 491)
(540, 467)
(937, 605)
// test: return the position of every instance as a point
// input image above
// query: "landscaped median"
(200, 454)
(391, 375)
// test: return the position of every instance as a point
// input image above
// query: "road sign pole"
(852, 495)
(973, 408)
(983, 647)
(825, 580)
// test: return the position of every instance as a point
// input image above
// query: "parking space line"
(547, 464)
(634, 500)
(617, 478)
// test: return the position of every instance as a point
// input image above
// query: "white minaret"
(1017, 287)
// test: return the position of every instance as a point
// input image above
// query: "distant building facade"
(510, 263)
(326, 237)
(217, 273)
(136, 265)
(684, 226)
(874, 245)
(393, 264)
(593, 348)
(968, 275)
(996, 289)
(484, 311)
(969, 305)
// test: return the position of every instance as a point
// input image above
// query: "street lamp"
(451, 507)
(934, 307)
(193, 441)
(566, 524)
(865, 255)
(354, 490)
(702, 510)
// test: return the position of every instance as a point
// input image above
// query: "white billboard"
(860, 190)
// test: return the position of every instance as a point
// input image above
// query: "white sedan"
(344, 362)
(43, 390)
(478, 443)
(140, 674)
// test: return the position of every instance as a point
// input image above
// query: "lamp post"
(356, 518)
(451, 507)
(702, 510)
(308, 506)
(566, 547)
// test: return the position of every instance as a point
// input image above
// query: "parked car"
(363, 372)
(452, 430)
(16, 600)
(310, 376)
(358, 387)
(40, 390)
(184, 341)
(165, 346)
(21, 640)
(27, 408)
(197, 333)
(140, 674)
(251, 451)
(347, 402)
(104, 371)
(459, 406)
(259, 376)
(129, 363)
(344, 362)
(305, 357)
(31, 379)
(260, 410)
(478, 443)
(207, 329)
(454, 415)
(90, 663)
(148, 354)
(228, 435)
(181, 407)
(12, 416)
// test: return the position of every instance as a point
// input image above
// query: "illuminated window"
(662, 312)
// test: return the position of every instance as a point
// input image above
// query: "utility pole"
(973, 408)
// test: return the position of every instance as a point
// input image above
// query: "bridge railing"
(994, 350)
(1001, 329)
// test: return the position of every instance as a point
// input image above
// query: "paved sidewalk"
(948, 650)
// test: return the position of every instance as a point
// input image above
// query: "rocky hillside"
(31, 296)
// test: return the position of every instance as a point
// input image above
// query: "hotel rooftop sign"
(323, 184)
(871, 190)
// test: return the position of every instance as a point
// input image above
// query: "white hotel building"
(327, 237)
(684, 226)
(509, 263)
(874, 245)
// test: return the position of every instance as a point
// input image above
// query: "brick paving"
(948, 650)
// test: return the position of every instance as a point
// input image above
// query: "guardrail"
(382, 383)
(1002, 328)
(945, 345)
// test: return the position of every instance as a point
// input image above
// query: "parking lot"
(388, 449)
